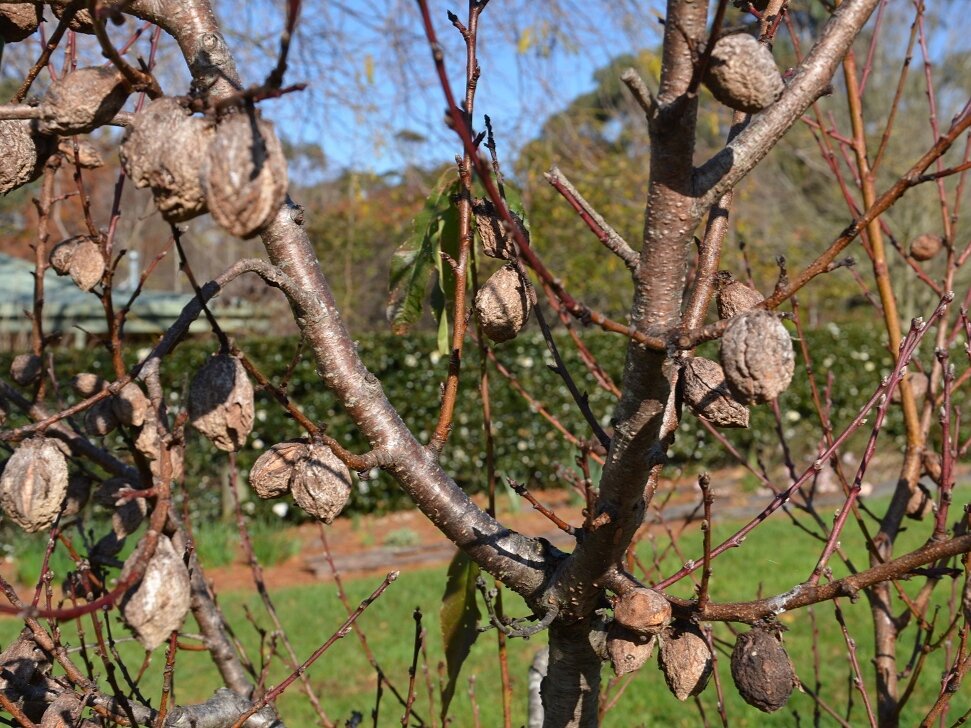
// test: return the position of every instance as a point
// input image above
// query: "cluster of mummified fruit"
(742, 74)
(503, 304)
(319, 482)
(233, 168)
(80, 257)
(640, 614)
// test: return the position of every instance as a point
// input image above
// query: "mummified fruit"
(18, 22)
(159, 602)
(87, 266)
(244, 174)
(88, 155)
(273, 471)
(34, 484)
(221, 402)
(23, 152)
(742, 74)
(82, 22)
(100, 419)
(164, 149)
(128, 516)
(919, 382)
(762, 670)
(757, 356)
(628, 650)
(321, 483)
(87, 384)
(926, 246)
(25, 369)
(643, 610)
(685, 660)
(81, 101)
(62, 712)
(707, 394)
(503, 304)
(63, 252)
(732, 296)
(497, 241)
(130, 405)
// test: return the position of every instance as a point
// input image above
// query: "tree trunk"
(571, 688)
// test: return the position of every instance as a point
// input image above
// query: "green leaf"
(459, 617)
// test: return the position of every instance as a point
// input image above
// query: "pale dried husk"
(62, 253)
(245, 174)
(34, 484)
(63, 712)
(762, 671)
(708, 396)
(273, 471)
(742, 74)
(321, 483)
(926, 246)
(628, 650)
(757, 356)
(643, 610)
(732, 296)
(503, 304)
(18, 21)
(88, 155)
(82, 22)
(81, 101)
(221, 402)
(157, 605)
(26, 369)
(87, 266)
(87, 384)
(685, 660)
(497, 240)
(131, 405)
(23, 152)
(164, 150)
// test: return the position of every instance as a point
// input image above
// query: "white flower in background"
(435, 357)
(281, 509)
(411, 360)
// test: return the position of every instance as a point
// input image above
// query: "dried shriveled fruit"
(63, 252)
(100, 419)
(131, 405)
(627, 650)
(642, 610)
(129, 516)
(164, 150)
(159, 602)
(762, 670)
(33, 484)
(757, 356)
(732, 296)
(245, 174)
(23, 152)
(926, 246)
(221, 402)
(707, 394)
(742, 74)
(321, 483)
(503, 304)
(82, 22)
(81, 101)
(18, 22)
(273, 471)
(685, 660)
(88, 155)
(87, 266)
(63, 712)
(497, 241)
(26, 369)
(87, 384)
(78, 492)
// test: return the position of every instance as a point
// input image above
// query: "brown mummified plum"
(628, 650)
(757, 356)
(244, 174)
(742, 74)
(159, 602)
(18, 22)
(321, 483)
(497, 240)
(503, 304)
(34, 484)
(25, 369)
(732, 296)
(926, 246)
(272, 473)
(685, 660)
(164, 150)
(23, 152)
(643, 610)
(707, 394)
(81, 101)
(221, 402)
(761, 669)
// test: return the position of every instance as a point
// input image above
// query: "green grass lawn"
(773, 559)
